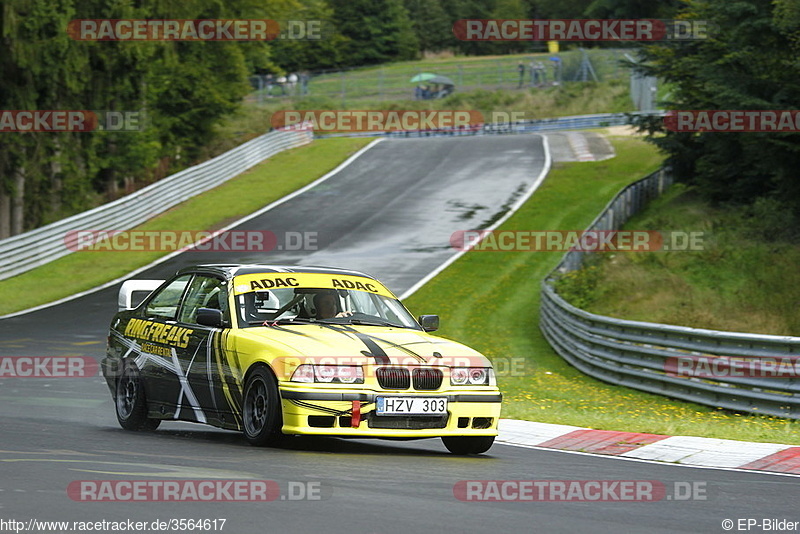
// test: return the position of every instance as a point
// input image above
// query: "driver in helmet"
(326, 304)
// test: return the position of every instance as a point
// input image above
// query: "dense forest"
(752, 63)
(186, 88)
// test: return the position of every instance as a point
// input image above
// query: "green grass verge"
(578, 98)
(490, 301)
(490, 72)
(485, 83)
(742, 278)
(276, 177)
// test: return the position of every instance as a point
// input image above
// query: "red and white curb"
(685, 450)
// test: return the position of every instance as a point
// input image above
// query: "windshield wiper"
(374, 323)
(284, 320)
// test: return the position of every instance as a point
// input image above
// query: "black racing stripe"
(477, 398)
(375, 350)
(322, 408)
(288, 331)
(325, 396)
(381, 358)
(399, 347)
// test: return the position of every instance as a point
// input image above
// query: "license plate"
(411, 406)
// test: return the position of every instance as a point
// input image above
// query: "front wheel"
(468, 444)
(131, 403)
(261, 413)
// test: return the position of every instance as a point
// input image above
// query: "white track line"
(654, 462)
(278, 202)
(414, 288)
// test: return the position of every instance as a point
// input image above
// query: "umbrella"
(422, 77)
(442, 80)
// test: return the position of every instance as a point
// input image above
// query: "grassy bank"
(275, 178)
(743, 276)
(576, 98)
(490, 300)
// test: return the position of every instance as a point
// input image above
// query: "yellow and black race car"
(272, 351)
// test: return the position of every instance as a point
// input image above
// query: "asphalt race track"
(390, 213)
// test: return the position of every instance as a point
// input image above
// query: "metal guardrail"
(644, 355)
(577, 122)
(37, 247)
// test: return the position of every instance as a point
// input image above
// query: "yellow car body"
(249, 348)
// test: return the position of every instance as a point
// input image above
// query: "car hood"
(362, 345)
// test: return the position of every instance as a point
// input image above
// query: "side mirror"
(210, 317)
(429, 323)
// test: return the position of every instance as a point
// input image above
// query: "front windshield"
(297, 304)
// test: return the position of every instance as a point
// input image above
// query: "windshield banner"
(266, 281)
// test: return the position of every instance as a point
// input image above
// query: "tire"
(468, 444)
(262, 417)
(131, 405)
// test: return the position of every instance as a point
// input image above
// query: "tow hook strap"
(355, 419)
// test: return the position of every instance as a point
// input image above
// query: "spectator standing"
(270, 80)
(534, 74)
(304, 82)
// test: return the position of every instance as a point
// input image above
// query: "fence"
(393, 82)
(646, 356)
(575, 122)
(35, 248)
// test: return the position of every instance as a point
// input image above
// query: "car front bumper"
(331, 412)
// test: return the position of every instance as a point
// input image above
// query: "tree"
(185, 88)
(40, 71)
(750, 64)
(378, 32)
(307, 54)
(632, 9)
(432, 26)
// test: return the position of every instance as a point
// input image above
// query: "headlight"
(329, 374)
(472, 376)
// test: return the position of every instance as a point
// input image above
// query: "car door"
(203, 365)
(161, 343)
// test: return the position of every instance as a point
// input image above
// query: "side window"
(204, 292)
(165, 304)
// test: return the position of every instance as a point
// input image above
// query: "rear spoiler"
(133, 292)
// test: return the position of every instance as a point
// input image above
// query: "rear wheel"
(261, 412)
(468, 444)
(131, 403)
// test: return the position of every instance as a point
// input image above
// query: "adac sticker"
(259, 282)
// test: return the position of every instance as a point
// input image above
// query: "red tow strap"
(355, 420)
